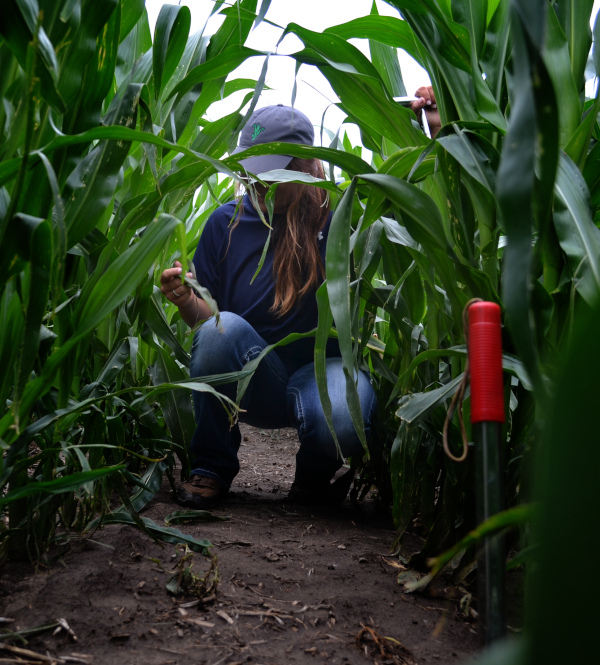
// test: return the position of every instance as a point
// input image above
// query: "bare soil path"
(297, 585)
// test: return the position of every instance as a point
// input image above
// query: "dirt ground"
(297, 585)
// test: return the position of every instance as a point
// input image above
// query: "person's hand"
(427, 101)
(172, 288)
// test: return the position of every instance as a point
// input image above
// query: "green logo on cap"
(257, 130)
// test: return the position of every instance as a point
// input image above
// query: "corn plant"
(107, 174)
(501, 206)
(108, 170)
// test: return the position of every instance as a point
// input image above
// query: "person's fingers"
(426, 100)
(169, 274)
(171, 277)
(179, 295)
(426, 94)
(172, 287)
(418, 105)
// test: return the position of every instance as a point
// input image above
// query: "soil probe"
(487, 416)
(407, 101)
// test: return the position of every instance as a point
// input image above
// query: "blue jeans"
(274, 399)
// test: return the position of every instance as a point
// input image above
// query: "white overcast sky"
(314, 94)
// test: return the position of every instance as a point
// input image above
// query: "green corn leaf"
(170, 36)
(100, 72)
(510, 363)
(453, 39)
(557, 61)
(215, 137)
(177, 404)
(337, 268)
(515, 198)
(60, 231)
(385, 60)
(60, 485)
(109, 290)
(574, 16)
(420, 213)
(578, 147)
(336, 52)
(404, 475)
(321, 338)
(382, 29)
(202, 384)
(596, 48)
(10, 310)
(450, 64)
(231, 58)
(507, 519)
(235, 28)
(39, 254)
(346, 161)
(18, 26)
(263, 256)
(492, 58)
(164, 533)
(264, 8)
(548, 131)
(154, 317)
(114, 364)
(475, 154)
(93, 181)
(415, 408)
(568, 499)
(473, 15)
(205, 294)
(88, 487)
(191, 516)
(131, 12)
(249, 368)
(355, 79)
(135, 48)
(260, 84)
(183, 256)
(148, 486)
(184, 107)
(579, 237)
(398, 234)
(93, 46)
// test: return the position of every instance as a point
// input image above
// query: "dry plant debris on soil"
(286, 584)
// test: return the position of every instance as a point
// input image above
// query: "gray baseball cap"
(269, 124)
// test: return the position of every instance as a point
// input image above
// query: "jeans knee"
(303, 399)
(216, 347)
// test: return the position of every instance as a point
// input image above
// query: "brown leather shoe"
(200, 492)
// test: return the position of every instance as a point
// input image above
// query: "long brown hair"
(297, 265)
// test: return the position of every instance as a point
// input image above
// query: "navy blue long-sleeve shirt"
(226, 261)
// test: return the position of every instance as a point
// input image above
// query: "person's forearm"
(194, 310)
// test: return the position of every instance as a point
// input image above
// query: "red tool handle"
(485, 361)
